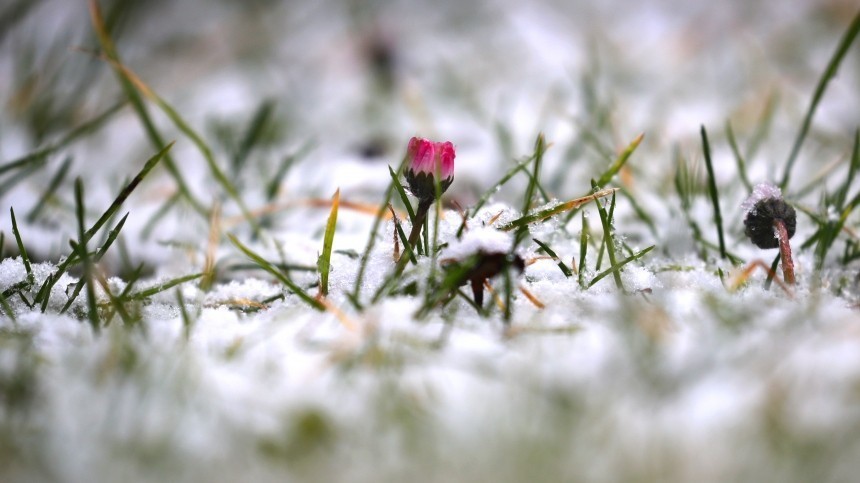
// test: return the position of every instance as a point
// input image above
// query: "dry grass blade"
(560, 208)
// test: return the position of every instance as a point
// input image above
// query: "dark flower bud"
(760, 220)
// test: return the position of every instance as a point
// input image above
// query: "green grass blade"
(540, 149)
(284, 167)
(41, 153)
(187, 321)
(324, 262)
(96, 258)
(4, 304)
(853, 166)
(561, 265)
(21, 249)
(764, 126)
(616, 267)
(619, 162)
(640, 211)
(271, 269)
(126, 192)
(87, 277)
(712, 191)
(608, 240)
(45, 290)
(583, 249)
(739, 159)
(138, 104)
(504, 179)
(398, 186)
(826, 76)
(407, 250)
(256, 132)
(204, 149)
(149, 292)
(55, 183)
(371, 239)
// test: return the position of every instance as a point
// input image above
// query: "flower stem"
(420, 216)
(784, 252)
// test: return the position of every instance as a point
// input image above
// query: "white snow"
(674, 378)
(761, 191)
(483, 239)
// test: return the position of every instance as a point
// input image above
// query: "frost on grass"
(675, 378)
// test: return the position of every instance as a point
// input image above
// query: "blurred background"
(341, 86)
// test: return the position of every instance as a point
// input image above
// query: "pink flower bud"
(426, 157)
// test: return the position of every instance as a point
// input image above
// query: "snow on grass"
(688, 373)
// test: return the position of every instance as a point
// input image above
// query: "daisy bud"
(765, 207)
(770, 222)
(425, 158)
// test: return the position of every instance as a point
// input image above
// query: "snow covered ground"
(680, 377)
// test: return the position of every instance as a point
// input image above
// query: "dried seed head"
(764, 208)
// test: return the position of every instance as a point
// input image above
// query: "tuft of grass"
(830, 227)
(45, 291)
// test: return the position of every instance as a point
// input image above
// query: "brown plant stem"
(420, 216)
(784, 251)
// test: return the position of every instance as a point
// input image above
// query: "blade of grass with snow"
(278, 274)
(45, 290)
(541, 215)
(616, 267)
(149, 292)
(561, 265)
